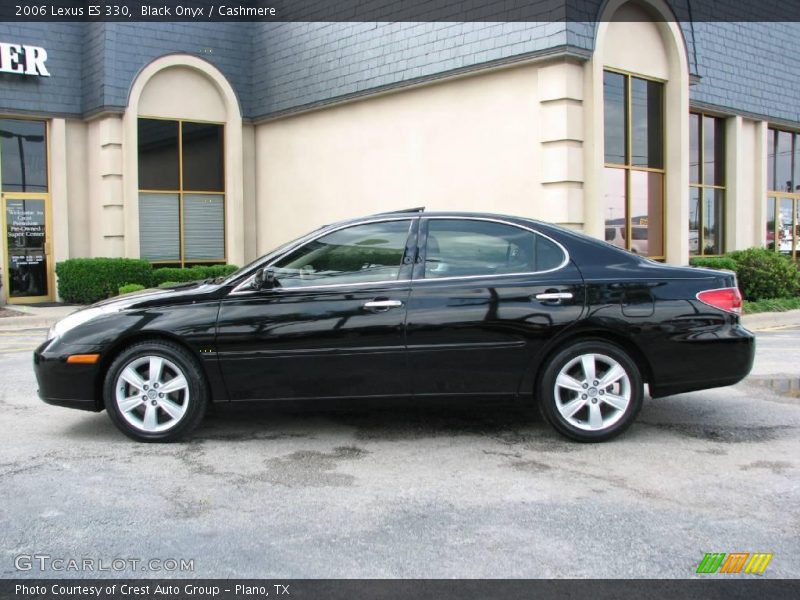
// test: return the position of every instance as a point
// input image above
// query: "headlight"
(79, 318)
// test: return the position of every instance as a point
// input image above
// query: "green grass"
(772, 305)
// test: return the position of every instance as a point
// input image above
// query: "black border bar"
(711, 588)
(383, 10)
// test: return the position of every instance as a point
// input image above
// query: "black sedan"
(409, 304)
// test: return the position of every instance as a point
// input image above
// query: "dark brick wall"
(279, 67)
(59, 93)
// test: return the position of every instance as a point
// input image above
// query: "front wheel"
(591, 391)
(155, 392)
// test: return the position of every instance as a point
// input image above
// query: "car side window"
(359, 254)
(461, 248)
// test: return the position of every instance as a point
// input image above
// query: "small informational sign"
(25, 239)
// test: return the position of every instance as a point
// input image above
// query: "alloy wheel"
(152, 393)
(592, 392)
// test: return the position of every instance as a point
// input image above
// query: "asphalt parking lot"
(409, 489)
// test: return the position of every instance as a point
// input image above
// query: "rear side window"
(462, 248)
(365, 253)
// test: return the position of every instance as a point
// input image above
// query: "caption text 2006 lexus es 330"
(415, 304)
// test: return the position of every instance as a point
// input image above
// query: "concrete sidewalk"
(35, 317)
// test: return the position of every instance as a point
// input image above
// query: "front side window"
(783, 195)
(634, 163)
(706, 184)
(181, 191)
(368, 253)
(465, 248)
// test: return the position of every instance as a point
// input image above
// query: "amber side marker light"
(85, 359)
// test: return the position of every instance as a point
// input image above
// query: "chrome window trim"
(241, 289)
(563, 264)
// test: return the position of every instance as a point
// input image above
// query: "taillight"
(728, 299)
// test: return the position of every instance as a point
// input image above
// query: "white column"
(58, 232)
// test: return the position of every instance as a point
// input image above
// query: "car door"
(486, 294)
(333, 326)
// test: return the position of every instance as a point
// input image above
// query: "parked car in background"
(615, 234)
(408, 304)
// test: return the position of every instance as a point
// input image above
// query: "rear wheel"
(155, 392)
(591, 391)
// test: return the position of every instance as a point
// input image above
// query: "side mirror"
(265, 279)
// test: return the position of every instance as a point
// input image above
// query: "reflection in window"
(181, 191)
(783, 201)
(614, 95)
(360, 254)
(23, 155)
(706, 184)
(634, 155)
(647, 139)
(466, 248)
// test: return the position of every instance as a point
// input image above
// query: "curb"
(772, 320)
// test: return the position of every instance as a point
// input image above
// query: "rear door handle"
(554, 296)
(382, 304)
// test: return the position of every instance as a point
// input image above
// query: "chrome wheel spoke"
(587, 362)
(128, 404)
(133, 378)
(174, 385)
(614, 374)
(156, 366)
(570, 408)
(568, 382)
(618, 402)
(150, 422)
(595, 417)
(171, 408)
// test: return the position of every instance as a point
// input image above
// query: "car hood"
(179, 294)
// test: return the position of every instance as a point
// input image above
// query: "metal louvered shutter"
(159, 227)
(204, 226)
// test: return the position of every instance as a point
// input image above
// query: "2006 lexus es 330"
(408, 304)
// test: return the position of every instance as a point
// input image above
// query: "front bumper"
(65, 384)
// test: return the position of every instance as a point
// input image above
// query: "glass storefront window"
(783, 196)
(707, 184)
(23, 148)
(614, 95)
(181, 191)
(158, 155)
(634, 156)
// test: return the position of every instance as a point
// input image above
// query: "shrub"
(196, 273)
(129, 288)
(714, 262)
(168, 284)
(87, 280)
(765, 274)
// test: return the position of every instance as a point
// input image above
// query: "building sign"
(23, 60)
(25, 239)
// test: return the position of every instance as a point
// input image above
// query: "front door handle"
(554, 296)
(380, 305)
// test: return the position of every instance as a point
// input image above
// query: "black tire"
(194, 393)
(619, 419)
